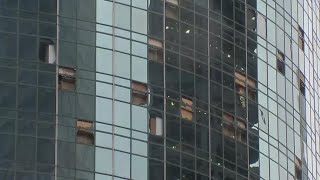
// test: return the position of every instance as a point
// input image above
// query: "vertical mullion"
(209, 94)
(246, 83)
(164, 93)
(57, 91)
(113, 87)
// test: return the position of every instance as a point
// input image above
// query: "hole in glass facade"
(67, 78)
(85, 132)
(280, 63)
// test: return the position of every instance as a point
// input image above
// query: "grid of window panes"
(27, 89)
(182, 89)
(174, 91)
(159, 89)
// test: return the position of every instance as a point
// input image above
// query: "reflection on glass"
(103, 161)
(103, 60)
(103, 139)
(122, 65)
(122, 164)
(122, 117)
(122, 16)
(139, 167)
(104, 110)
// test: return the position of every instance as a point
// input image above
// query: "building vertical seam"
(113, 88)
(57, 92)
(164, 93)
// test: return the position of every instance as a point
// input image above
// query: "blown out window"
(302, 85)
(280, 63)
(301, 38)
(47, 51)
(298, 169)
(241, 84)
(235, 128)
(172, 11)
(186, 109)
(156, 126)
(67, 78)
(155, 50)
(139, 95)
(85, 132)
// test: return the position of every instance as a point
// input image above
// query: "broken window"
(173, 2)
(298, 169)
(172, 11)
(139, 94)
(155, 50)
(241, 82)
(280, 62)
(47, 51)
(85, 132)
(235, 128)
(301, 38)
(186, 108)
(302, 85)
(67, 78)
(156, 126)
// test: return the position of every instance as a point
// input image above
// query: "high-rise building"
(159, 90)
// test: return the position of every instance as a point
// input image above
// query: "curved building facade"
(159, 90)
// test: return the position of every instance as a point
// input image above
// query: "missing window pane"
(139, 94)
(186, 109)
(235, 128)
(47, 51)
(156, 126)
(241, 84)
(302, 85)
(155, 50)
(298, 169)
(67, 78)
(173, 2)
(172, 11)
(301, 38)
(241, 80)
(85, 132)
(280, 63)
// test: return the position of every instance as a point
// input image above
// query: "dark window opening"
(47, 51)
(85, 132)
(280, 63)
(155, 50)
(298, 169)
(186, 109)
(139, 94)
(67, 79)
(252, 94)
(302, 85)
(172, 11)
(301, 38)
(156, 126)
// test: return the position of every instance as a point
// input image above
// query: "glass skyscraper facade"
(159, 90)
